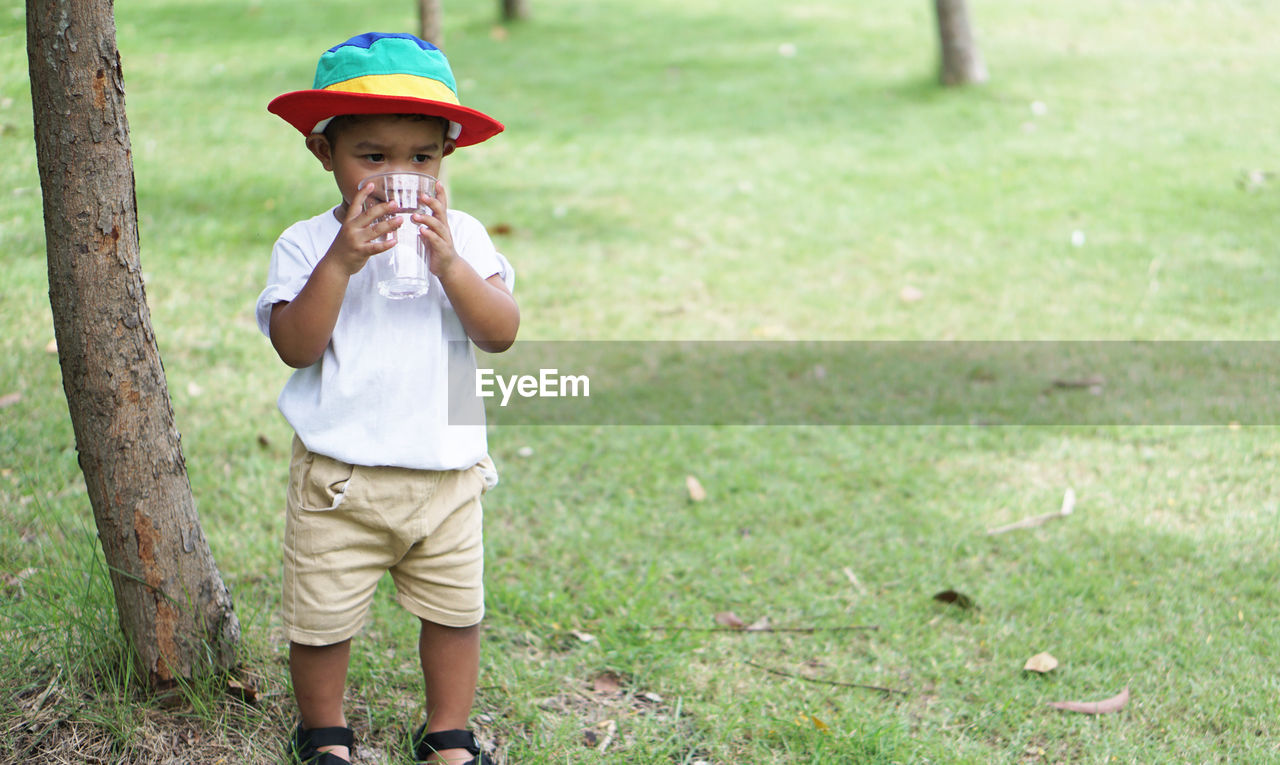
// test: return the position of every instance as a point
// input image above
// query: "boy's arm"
(301, 328)
(485, 307)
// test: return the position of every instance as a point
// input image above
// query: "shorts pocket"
(323, 483)
(488, 474)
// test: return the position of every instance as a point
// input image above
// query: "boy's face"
(381, 144)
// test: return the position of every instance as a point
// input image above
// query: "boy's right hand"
(301, 328)
(356, 241)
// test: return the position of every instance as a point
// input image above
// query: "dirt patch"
(160, 739)
(48, 722)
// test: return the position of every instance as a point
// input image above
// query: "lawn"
(707, 170)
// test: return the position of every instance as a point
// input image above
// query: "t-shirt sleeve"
(287, 275)
(472, 242)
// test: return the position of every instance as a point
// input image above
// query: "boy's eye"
(422, 158)
(374, 157)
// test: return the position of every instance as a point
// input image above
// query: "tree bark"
(171, 601)
(431, 16)
(515, 10)
(961, 60)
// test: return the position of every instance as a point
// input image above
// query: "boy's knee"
(340, 645)
(428, 625)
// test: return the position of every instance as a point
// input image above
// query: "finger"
(435, 232)
(359, 217)
(427, 234)
(356, 208)
(380, 210)
(425, 218)
(434, 216)
(438, 215)
(442, 194)
(377, 220)
(380, 228)
(375, 247)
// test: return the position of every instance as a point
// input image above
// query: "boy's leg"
(319, 679)
(450, 668)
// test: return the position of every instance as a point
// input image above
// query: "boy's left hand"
(434, 231)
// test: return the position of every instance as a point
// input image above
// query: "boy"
(379, 480)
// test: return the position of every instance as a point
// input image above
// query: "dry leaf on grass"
(805, 720)
(958, 599)
(9, 399)
(1106, 706)
(607, 683)
(245, 692)
(1254, 180)
(696, 492)
(853, 579)
(593, 738)
(1068, 507)
(1041, 662)
(1092, 383)
(730, 619)
(1068, 502)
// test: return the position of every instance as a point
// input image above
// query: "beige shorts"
(347, 524)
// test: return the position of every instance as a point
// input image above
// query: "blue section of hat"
(369, 38)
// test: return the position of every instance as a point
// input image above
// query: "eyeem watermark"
(548, 383)
(932, 383)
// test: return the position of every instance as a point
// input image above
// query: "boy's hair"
(343, 122)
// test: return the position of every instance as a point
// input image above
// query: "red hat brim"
(305, 108)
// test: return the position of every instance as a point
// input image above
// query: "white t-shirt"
(379, 395)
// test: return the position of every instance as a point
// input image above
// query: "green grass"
(668, 174)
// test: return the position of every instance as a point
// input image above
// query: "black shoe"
(426, 744)
(302, 747)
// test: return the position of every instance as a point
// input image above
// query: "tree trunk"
(172, 604)
(431, 15)
(961, 60)
(431, 21)
(515, 10)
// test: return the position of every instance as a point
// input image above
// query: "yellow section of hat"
(403, 85)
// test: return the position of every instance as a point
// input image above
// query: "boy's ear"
(321, 148)
(449, 146)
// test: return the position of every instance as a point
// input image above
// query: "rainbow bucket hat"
(377, 73)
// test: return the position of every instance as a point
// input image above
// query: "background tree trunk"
(961, 60)
(431, 24)
(172, 604)
(515, 10)
(431, 16)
